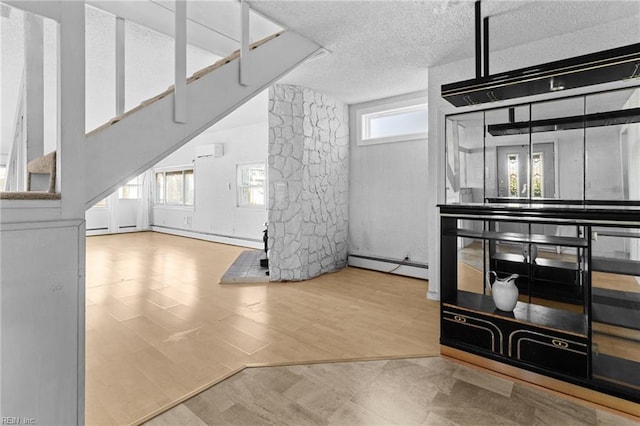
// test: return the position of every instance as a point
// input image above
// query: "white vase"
(504, 291)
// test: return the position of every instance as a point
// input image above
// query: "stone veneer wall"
(308, 183)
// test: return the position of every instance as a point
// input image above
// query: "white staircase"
(135, 141)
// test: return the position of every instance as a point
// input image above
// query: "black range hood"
(621, 63)
(609, 118)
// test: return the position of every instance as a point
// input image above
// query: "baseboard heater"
(392, 261)
(210, 236)
(395, 266)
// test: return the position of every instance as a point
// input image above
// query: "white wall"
(120, 215)
(602, 37)
(388, 197)
(244, 134)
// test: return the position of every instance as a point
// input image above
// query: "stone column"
(308, 183)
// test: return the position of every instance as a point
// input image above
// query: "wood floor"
(159, 327)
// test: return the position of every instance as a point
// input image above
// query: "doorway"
(515, 170)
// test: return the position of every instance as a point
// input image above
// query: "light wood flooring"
(159, 327)
(419, 391)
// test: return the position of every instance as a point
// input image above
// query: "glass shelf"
(515, 237)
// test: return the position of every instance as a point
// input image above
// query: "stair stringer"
(121, 151)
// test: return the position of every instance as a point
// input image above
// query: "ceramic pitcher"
(503, 291)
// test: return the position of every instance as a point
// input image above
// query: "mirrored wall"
(571, 150)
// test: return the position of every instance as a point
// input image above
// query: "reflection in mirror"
(613, 146)
(507, 154)
(549, 275)
(557, 156)
(464, 158)
(470, 259)
(615, 301)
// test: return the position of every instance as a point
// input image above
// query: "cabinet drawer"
(471, 330)
(559, 353)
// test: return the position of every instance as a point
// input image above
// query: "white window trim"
(166, 170)
(97, 207)
(138, 184)
(266, 186)
(389, 106)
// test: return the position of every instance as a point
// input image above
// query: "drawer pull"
(560, 343)
(459, 318)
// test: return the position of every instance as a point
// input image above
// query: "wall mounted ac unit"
(215, 150)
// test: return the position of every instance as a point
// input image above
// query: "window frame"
(138, 185)
(365, 113)
(239, 187)
(5, 169)
(164, 171)
(102, 204)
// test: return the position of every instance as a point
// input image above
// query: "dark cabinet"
(502, 334)
(548, 190)
(472, 329)
(553, 351)
(576, 319)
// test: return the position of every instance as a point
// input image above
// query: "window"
(392, 122)
(174, 187)
(159, 188)
(251, 185)
(188, 187)
(538, 175)
(514, 178)
(3, 176)
(132, 190)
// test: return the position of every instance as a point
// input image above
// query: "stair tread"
(29, 195)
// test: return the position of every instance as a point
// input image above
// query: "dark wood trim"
(598, 119)
(580, 71)
(551, 213)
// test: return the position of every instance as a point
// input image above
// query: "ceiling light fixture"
(619, 64)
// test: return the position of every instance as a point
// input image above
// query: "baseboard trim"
(214, 238)
(391, 266)
(105, 231)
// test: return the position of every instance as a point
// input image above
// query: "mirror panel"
(558, 149)
(463, 170)
(613, 146)
(615, 301)
(506, 155)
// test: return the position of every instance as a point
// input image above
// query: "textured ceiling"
(383, 48)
